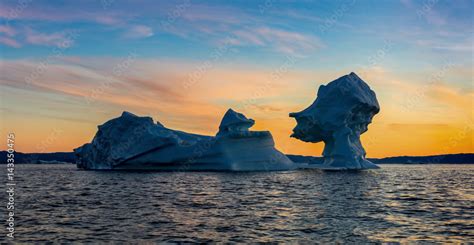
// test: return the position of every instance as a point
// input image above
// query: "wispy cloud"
(256, 42)
(7, 30)
(466, 45)
(195, 21)
(155, 85)
(450, 97)
(42, 11)
(215, 14)
(113, 19)
(10, 42)
(293, 43)
(139, 31)
(7, 34)
(48, 39)
(152, 87)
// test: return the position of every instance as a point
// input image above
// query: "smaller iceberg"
(341, 113)
(130, 142)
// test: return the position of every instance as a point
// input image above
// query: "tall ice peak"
(235, 122)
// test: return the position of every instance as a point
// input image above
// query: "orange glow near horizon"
(56, 116)
(382, 140)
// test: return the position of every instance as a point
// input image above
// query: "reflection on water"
(396, 203)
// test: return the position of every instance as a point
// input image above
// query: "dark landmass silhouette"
(69, 157)
(462, 158)
(40, 158)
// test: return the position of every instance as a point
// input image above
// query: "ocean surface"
(398, 203)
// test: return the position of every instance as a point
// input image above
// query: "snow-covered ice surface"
(137, 143)
(341, 113)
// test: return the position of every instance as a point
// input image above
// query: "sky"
(68, 66)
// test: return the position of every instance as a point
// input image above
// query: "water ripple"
(397, 203)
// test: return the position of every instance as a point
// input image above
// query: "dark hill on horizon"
(69, 157)
(461, 158)
(38, 158)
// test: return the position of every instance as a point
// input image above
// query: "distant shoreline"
(461, 158)
(69, 158)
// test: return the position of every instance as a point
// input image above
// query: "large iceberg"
(341, 113)
(137, 143)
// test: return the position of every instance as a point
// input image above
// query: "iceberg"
(341, 113)
(130, 142)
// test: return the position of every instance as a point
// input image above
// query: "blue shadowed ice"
(341, 113)
(133, 142)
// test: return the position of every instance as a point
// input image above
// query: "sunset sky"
(67, 66)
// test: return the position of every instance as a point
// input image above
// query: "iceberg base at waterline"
(130, 142)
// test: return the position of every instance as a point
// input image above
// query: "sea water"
(397, 203)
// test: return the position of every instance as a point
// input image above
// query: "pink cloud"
(221, 14)
(139, 31)
(108, 20)
(65, 14)
(283, 41)
(9, 42)
(52, 39)
(30, 13)
(7, 30)
(250, 37)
